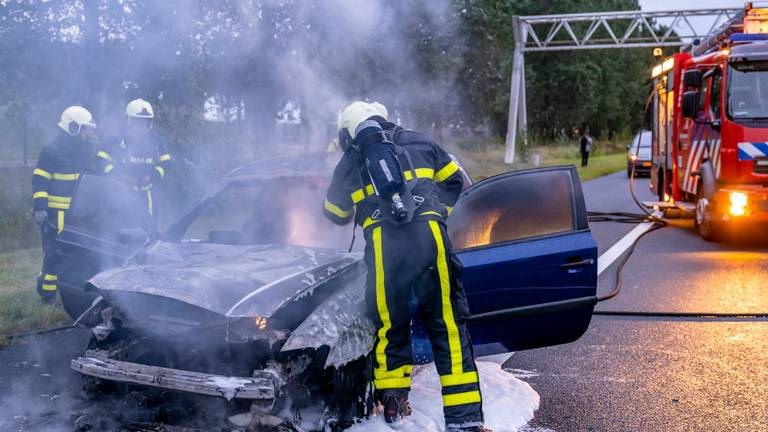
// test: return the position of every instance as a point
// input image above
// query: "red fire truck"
(710, 126)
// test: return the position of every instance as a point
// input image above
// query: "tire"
(662, 187)
(708, 229)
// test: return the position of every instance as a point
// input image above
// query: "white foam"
(508, 402)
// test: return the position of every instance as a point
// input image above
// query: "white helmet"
(381, 109)
(74, 118)
(139, 108)
(353, 115)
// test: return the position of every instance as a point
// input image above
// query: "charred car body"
(252, 295)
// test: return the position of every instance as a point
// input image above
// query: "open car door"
(106, 225)
(529, 260)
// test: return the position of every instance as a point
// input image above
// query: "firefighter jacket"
(57, 174)
(438, 181)
(135, 156)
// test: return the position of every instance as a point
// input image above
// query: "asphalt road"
(663, 374)
(624, 374)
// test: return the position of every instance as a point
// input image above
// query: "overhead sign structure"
(598, 30)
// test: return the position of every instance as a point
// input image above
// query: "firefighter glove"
(41, 216)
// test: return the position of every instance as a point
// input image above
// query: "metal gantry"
(598, 30)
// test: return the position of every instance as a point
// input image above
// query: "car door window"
(498, 211)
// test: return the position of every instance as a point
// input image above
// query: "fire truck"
(710, 126)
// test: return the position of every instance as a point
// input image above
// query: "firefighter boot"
(395, 404)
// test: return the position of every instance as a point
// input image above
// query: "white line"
(614, 252)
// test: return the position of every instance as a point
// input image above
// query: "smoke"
(220, 75)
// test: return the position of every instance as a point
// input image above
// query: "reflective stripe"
(104, 155)
(60, 222)
(108, 169)
(449, 209)
(381, 301)
(58, 205)
(40, 194)
(60, 199)
(150, 206)
(395, 373)
(459, 379)
(67, 177)
(392, 383)
(446, 172)
(336, 210)
(454, 342)
(42, 173)
(361, 193)
(49, 287)
(161, 171)
(50, 277)
(165, 157)
(461, 398)
(358, 196)
(427, 213)
(420, 173)
(370, 221)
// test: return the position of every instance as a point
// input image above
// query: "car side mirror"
(691, 104)
(692, 78)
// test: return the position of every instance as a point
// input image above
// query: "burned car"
(253, 296)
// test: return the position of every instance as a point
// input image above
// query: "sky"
(700, 24)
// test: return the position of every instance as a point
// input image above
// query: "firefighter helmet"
(139, 108)
(74, 118)
(381, 109)
(352, 116)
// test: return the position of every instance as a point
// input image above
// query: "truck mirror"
(691, 104)
(692, 78)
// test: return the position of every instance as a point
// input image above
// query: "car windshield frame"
(737, 74)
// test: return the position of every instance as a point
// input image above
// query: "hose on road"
(33, 333)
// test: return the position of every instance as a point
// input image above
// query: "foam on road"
(508, 402)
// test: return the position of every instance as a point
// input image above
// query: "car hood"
(186, 285)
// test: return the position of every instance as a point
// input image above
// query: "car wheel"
(629, 171)
(707, 228)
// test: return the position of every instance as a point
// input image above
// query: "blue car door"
(527, 257)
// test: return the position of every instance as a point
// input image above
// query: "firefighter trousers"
(413, 261)
(47, 282)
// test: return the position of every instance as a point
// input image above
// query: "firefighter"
(139, 156)
(407, 256)
(54, 181)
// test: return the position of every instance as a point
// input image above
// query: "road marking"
(614, 252)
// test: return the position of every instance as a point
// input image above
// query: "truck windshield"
(748, 90)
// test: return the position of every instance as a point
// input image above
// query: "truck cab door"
(529, 262)
(107, 223)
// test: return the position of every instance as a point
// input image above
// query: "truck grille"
(761, 166)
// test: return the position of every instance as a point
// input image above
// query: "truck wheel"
(707, 228)
(662, 186)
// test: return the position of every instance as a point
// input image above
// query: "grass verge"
(488, 160)
(20, 307)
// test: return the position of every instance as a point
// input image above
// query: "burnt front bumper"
(262, 386)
